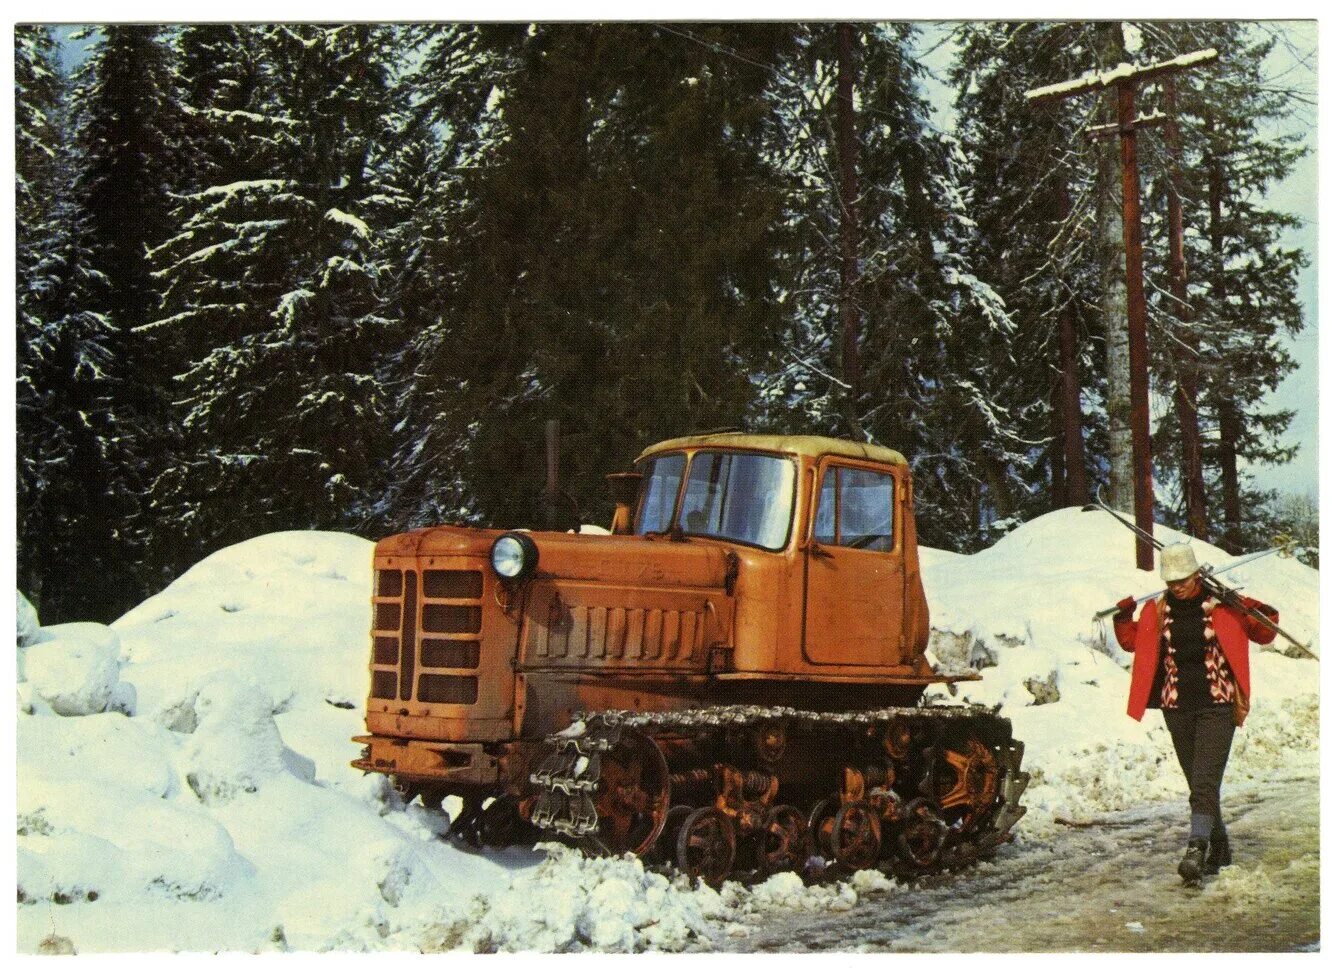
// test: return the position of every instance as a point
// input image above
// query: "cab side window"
(855, 509)
(825, 521)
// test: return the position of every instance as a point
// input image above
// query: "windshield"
(740, 496)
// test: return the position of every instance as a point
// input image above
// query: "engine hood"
(626, 560)
(443, 540)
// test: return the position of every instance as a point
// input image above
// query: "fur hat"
(1178, 562)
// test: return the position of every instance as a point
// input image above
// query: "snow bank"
(223, 813)
(74, 667)
(571, 903)
(28, 624)
(184, 782)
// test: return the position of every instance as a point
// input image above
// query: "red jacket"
(1142, 638)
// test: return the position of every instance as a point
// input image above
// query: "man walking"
(1191, 659)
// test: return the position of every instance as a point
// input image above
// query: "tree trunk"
(847, 147)
(1069, 392)
(1114, 294)
(1058, 477)
(1228, 414)
(1186, 356)
(1231, 426)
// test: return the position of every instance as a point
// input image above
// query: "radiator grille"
(384, 684)
(451, 584)
(450, 653)
(386, 650)
(439, 618)
(425, 622)
(388, 616)
(448, 689)
(390, 582)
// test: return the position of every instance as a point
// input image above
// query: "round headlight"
(514, 556)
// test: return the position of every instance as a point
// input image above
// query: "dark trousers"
(1202, 743)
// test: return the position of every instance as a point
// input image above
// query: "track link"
(569, 780)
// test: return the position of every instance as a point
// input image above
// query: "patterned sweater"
(1193, 672)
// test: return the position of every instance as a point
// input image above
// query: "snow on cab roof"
(798, 444)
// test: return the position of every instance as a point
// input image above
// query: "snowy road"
(1109, 887)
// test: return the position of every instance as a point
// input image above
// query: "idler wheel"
(820, 827)
(856, 836)
(922, 835)
(782, 843)
(964, 782)
(705, 847)
(632, 796)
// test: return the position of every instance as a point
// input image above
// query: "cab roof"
(813, 446)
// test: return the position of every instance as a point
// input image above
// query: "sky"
(1298, 194)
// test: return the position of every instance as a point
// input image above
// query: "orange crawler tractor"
(732, 679)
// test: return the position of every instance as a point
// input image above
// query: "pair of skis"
(1226, 594)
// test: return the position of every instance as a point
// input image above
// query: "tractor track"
(908, 820)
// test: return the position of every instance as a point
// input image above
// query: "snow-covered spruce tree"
(42, 443)
(88, 410)
(37, 137)
(612, 239)
(1294, 515)
(74, 444)
(1242, 277)
(932, 332)
(220, 72)
(1032, 195)
(271, 293)
(432, 422)
(449, 127)
(127, 163)
(1050, 238)
(129, 137)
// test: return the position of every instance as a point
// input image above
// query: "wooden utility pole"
(1186, 359)
(1124, 81)
(847, 151)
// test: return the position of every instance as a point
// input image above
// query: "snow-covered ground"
(183, 777)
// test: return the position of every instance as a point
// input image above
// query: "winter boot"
(1191, 867)
(1218, 851)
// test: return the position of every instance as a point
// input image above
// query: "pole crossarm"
(1115, 128)
(1122, 74)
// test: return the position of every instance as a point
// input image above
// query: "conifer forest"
(288, 277)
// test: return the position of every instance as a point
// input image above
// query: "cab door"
(855, 575)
